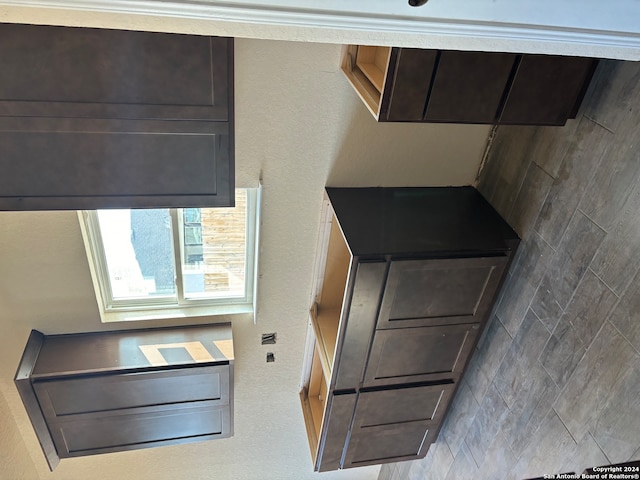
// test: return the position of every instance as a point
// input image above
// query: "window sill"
(177, 312)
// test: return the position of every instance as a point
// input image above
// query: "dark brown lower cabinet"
(105, 392)
(405, 281)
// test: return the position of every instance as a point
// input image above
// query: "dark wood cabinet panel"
(389, 443)
(119, 164)
(103, 393)
(408, 355)
(421, 403)
(469, 86)
(94, 73)
(126, 431)
(95, 118)
(351, 360)
(405, 280)
(547, 89)
(440, 291)
(405, 93)
(340, 408)
(111, 391)
(399, 423)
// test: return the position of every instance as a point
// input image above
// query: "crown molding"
(347, 26)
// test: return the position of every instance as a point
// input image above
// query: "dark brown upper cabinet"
(415, 85)
(94, 118)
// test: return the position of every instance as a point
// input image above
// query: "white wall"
(301, 125)
(605, 29)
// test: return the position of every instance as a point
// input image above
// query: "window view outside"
(139, 252)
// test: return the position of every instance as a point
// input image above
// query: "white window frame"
(118, 310)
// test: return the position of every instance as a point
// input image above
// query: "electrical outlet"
(271, 357)
(269, 338)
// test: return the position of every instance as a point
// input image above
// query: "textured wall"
(300, 124)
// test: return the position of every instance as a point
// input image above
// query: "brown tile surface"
(618, 259)
(555, 384)
(489, 418)
(463, 412)
(590, 387)
(570, 185)
(546, 452)
(463, 467)
(572, 258)
(583, 318)
(626, 315)
(534, 255)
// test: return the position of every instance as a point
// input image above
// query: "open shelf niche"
(330, 281)
(366, 69)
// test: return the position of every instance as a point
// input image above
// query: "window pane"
(214, 248)
(138, 249)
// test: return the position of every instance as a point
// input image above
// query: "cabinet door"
(425, 354)
(468, 86)
(407, 87)
(547, 89)
(103, 393)
(80, 435)
(440, 291)
(124, 119)
(78, 164)
(396, 424)
(93, 73)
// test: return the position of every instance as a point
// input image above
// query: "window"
(173, 262)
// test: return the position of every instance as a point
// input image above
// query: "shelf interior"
(314, 398)
(317, 392)
(336, 270)
(373, 62)
(325, 324)
(364, 87)
(325, 316)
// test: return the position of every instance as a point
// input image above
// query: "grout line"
(598, 123)
(621, 334)
(605, 283)
(486, 154)
(566, 428)
(591, 219)
(596, 442)
(634, 456)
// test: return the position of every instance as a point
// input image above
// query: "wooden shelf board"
(373, 63)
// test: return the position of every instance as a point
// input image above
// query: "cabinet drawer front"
(425, 404)
(397, 424)
(59, 398)
(389, 443)
(440, 291)
(419, 354)
(86, 436)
